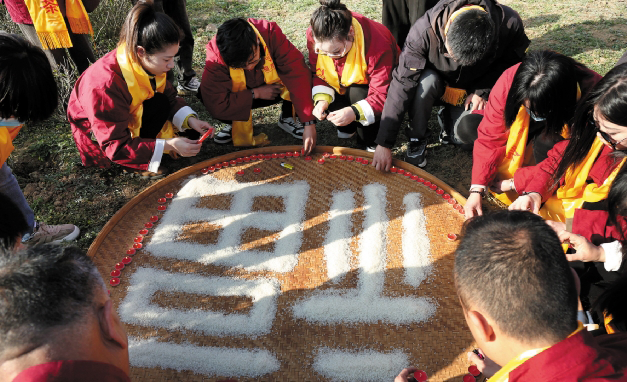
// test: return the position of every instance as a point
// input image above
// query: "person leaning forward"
(251, 64)
(453, 55)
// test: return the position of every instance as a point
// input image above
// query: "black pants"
(286, 107)
(399, 16)
(466, 134)
(354, 94)
(156, 113)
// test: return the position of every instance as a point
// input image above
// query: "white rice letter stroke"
(365, 365)
(338, 239)
(136, 308)
(234, 222)
(416, 244)
(366, 304)
(217, 361)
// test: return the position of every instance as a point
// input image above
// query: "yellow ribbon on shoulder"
(138, 82)
(7, 135)
(576, 189)
(242, 131)
(355, 67)
(517, 153)
(50, 26)
(503, 374)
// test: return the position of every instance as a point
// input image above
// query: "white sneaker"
(345, 135)
(291, 126)
(223, 136)
(44, 233)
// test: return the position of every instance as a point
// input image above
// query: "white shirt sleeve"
(613, 256)
(155, 161)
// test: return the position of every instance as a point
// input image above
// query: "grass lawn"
(60, 190)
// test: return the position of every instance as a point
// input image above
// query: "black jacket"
(424, 47)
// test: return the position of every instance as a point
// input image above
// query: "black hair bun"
(332, 4)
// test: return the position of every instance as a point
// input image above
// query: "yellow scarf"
(7, 135)
(576, 189)
(138, 82)
(607, 321)
(517, 153)
(503, 374)
(242, 131)
(50, 26)
(355, 67)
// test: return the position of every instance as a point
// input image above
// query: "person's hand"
(501, 186)
(198, 125)
(342, 117)
(320, 110)
(183, 146)
(403, 376)
(486, 366)
(309, 138)
(382, 159)
(584, 249)
(530, 202)
(558, 227)
(472, 207)
(478, 103)
(268, 92)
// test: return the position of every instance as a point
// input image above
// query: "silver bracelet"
(511, 184)
(253, 91)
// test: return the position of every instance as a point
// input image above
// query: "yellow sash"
(50, 26)
(576, 190)
(355, 67)
(607, 321)
(517, 153)
(138, 82)
(7, 135)
(242, 131)
(503, 374)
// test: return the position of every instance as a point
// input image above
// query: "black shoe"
(416, 152)
(445, 137)
(223, 136)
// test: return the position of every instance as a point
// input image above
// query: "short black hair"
(549, 81)
(510, 264)
(471, 36)
(236, 42)
(43, 288)
(12, 223)
(28, 90)
(332, 20)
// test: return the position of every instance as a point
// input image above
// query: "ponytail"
(331, 20)
(152, 30)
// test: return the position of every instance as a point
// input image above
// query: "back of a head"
(152, 30)
(510, 266)
(236, 41)
(12, 223)
(44, 290)
(471, 36)
(549, 81)
(28, 91)
(332, 20)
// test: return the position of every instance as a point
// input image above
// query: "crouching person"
(519, 298)
(251, 64)
(57, 322)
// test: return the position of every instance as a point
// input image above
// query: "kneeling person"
(251, 64)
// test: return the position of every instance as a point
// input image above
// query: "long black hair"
(331, 20)
(549, 81)
(609, 97)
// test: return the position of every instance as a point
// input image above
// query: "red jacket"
(538, 179)
(381, 53)
(72, 371)
(100, 103)
(578, 358)
(216, 83)
(492, 135)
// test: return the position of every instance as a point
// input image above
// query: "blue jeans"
(12, 190)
